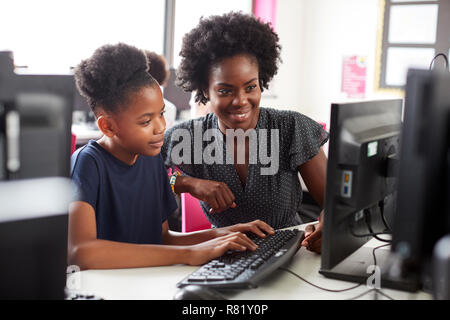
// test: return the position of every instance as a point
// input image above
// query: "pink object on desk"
(192, 216)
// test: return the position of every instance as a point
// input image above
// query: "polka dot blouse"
(272, 191)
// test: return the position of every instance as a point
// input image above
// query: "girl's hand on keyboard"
(258, 227)
(203, 252)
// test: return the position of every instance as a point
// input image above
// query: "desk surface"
(159, 283)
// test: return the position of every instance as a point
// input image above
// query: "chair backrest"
(192, 216)
(73, 144)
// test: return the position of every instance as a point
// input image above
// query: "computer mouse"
(194, 292)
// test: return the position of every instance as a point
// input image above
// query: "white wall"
(315, 35)
(286, 84)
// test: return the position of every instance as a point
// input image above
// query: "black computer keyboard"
(239, 270)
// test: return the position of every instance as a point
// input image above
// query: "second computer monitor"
(361, 183)
(423, 215)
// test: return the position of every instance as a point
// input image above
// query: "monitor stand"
(355, 269)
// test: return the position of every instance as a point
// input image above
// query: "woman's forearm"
(184, 184)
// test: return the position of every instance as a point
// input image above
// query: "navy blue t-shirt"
(130, 202)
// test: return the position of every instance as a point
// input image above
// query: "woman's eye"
(162, 113)
(224, 91)
(146, 123)
(250, 88)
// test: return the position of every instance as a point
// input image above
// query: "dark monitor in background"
(33, 238)
(423, 215)
(35, 189)
(80, 103)
(361, 185)
(35, 123)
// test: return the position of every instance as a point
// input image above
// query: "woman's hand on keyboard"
(258, 227)
(203, 252)
(313, 236)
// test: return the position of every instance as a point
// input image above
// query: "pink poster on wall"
(354, 76)
(266, 10)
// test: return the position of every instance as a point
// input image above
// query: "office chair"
(192, 216)
(73, 143)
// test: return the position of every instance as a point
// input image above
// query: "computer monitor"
(33, 238)
(35, 142)
(361, 185)
(423, 215)
(80, 103)
(35, 123)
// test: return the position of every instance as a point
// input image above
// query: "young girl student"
(124, 198)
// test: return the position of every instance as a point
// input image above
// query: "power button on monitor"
(346, 185)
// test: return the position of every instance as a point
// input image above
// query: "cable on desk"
(368, 221)
(373, 234)
(316, 286)
(377, 291)
(369, 227)
(342, 290)
(368, 291)
(376, 248)
(347, 289)
(383, 217)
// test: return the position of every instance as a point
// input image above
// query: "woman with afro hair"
(228, 60)
(119, 219)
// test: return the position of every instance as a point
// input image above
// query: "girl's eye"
(162, 113)
(250, 88)
(146, 123)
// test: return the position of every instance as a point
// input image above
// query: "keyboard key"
(196, 278)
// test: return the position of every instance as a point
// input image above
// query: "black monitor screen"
(33, 238)
(423, 214)
(361, 182)
(35, 142)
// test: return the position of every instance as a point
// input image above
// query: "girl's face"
(234, 92)
(140, 127)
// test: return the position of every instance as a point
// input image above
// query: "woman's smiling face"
(234, 92)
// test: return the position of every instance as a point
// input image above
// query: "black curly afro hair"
(111, 74)
(157, 66)
(219, 37)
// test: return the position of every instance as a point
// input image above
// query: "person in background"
(198, 109)
(123, 195)
(159, 69)
(228, 61)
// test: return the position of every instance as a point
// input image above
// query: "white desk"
(159, 283)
